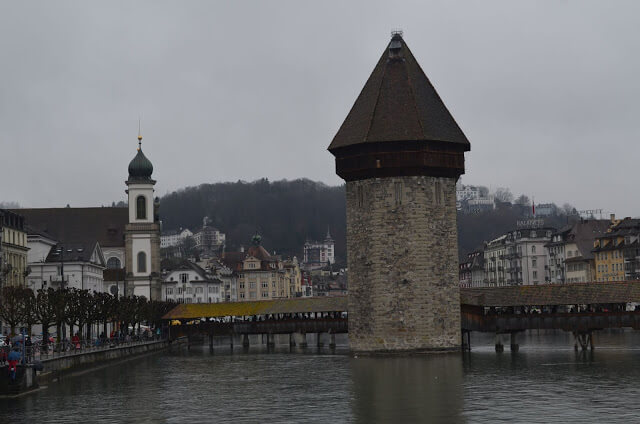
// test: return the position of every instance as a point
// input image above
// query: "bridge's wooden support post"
(466, 341)
(292, 340)
(332, 341)
(514, 342)
(211, 342)
(231, 341)
(499, 345)
(245, 340)
(584, 339)
(303, 342)
(319, 340)
(271, 340)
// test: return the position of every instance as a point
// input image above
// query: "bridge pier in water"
(498, 343)
(584, 339)
(514, 342)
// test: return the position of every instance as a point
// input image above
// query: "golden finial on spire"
(139, 136)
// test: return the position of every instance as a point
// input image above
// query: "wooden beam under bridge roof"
(261, 307)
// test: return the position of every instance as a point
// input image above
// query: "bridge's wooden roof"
(261, 307)
(553, 294)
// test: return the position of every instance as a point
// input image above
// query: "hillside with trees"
(286, 213)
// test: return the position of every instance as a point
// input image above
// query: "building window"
(184, 278)
(198, 290)
(534, 262)
(113, 263)
(141, 207)
(533, 249)
(169, 290)
(241, 295)
(142, 262)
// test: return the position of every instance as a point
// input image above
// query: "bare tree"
(523, 200)
(503, 194)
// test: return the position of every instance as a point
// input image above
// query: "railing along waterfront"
(39, 352)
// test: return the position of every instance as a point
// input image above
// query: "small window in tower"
(437, 187)
(142, 262)
(141, 208)
(360, 193)
(397, 193)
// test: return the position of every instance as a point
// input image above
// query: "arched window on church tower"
(142, 262)
(141, 208)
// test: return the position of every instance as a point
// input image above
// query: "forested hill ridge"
(287, 213)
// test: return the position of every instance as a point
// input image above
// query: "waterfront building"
(616, 252)
(261, 276)
(517, 258)
(465, 273)
(318, 254)
(401, 152)
(186, 282)
(477, 268)
(495, 261)
(569, 253)
(13, 249)
(472, 272)
(70, 247)
(65, 261)
(174, 238)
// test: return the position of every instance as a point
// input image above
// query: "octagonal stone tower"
(401, 152)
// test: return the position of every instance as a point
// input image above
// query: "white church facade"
(112, 249)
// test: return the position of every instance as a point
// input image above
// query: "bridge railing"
(286, 326)
(568, 321)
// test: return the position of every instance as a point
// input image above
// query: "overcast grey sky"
(546, 91)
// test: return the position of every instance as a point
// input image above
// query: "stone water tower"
(401, 152)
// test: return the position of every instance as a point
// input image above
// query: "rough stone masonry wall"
(402, 253)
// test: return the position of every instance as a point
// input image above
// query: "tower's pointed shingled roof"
(398, 103)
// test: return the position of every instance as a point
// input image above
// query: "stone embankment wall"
(54, 367)
(403, 265)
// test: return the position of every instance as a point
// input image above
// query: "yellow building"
(13, 249)
(608, 250)
(261, 276)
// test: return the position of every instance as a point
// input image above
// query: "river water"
(546, 381)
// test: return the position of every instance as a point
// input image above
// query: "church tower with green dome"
(142, 233)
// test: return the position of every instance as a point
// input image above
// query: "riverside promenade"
(40, 366)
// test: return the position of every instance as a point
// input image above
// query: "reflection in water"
(417, 389)
(546, 381)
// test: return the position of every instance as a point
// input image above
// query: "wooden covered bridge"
(295, 317)
(580, 308)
